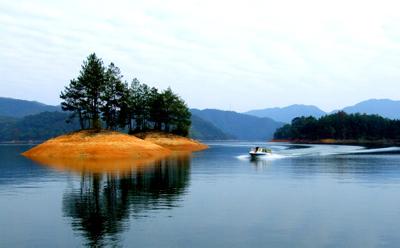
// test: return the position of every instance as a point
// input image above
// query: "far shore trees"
(99, 97)
(341, 126)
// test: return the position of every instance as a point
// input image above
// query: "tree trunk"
(81, 120)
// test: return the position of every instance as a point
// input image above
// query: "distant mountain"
(204, 130)
(286, 114)
(241, 126)
(383, 107)
(208, 124)
(36, 127)
(20, 108)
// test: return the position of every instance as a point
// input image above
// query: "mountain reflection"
(103, 203)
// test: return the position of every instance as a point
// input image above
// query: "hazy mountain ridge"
(384, 107)
(286, 114)
(11, 107)
(241, 126)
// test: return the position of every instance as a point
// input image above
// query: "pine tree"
(112, 97)
(181, 117)
(133, 102)
(124, 116)
(74, 101)
(155, 108)
(139, 99)
(82, 96)
(168, 101)
(92, 79)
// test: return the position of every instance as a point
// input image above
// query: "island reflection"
(103, 202)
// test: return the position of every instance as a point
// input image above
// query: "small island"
(97, 144)
(341, 128)
(118, 120)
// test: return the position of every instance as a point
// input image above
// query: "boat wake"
(266, 157)
(287, 151)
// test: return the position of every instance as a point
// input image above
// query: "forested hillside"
(286, 114)
(205, 130)
(35, 127)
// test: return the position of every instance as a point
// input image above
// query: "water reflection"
(101, 204)
(260, 162)
(99, 165)
(292, 201)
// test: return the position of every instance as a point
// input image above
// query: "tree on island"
(99, 93)
(174, 112)
(113, 97)
(73, 96)
(82, 96)
(140, 98)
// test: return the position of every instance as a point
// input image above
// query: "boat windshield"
(260, 149)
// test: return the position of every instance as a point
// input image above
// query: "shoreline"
(22, 142)
(171, 141)
(366, 143)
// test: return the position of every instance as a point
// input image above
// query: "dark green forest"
(341, 126)
(36, 127)
(100, 98)
(205, 130)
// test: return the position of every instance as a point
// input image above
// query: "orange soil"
(328, 141)
(172, 142)
(280, 140)
(99, 145)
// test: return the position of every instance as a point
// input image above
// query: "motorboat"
(259, 151)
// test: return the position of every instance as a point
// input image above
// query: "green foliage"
(82, 96)
(341, 126)
(150, 109)
(140, 98)
(99, 92)
(92, 78)
(74, 102)
(112, 97)
(174, 114)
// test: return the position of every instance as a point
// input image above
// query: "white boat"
(259, 151)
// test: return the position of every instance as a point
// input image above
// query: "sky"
(231, 55)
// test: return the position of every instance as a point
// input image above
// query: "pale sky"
(233, 55)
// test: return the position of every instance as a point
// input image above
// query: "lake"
(301, 196)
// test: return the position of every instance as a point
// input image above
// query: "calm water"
(318, 196)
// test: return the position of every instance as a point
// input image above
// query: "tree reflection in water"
(101, 206)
